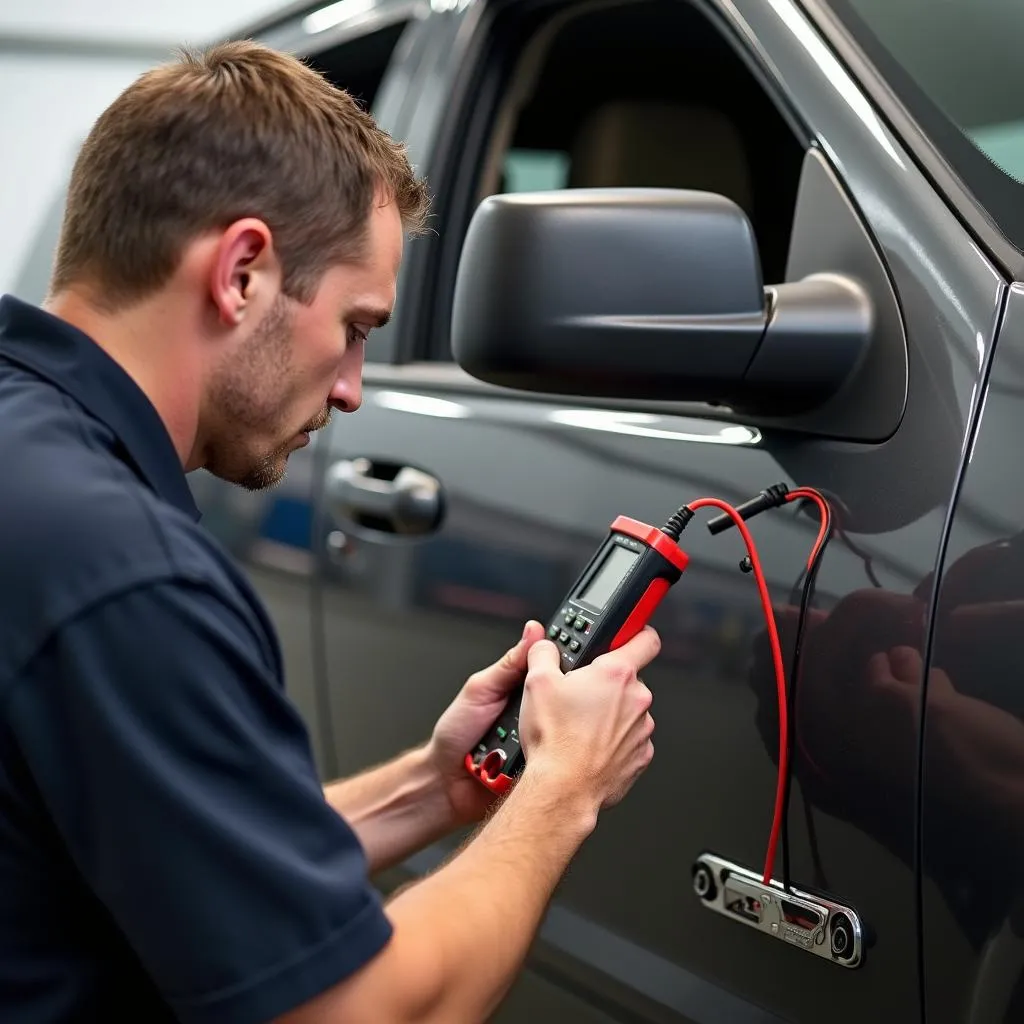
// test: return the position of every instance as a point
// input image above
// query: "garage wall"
(61, 63)
(140, 21)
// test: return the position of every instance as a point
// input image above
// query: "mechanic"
(233, 232)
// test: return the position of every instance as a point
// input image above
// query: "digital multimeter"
(610, 602)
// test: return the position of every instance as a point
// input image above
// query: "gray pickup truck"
(689, 249)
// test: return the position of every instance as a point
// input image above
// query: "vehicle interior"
(592, 103)
(359, 65)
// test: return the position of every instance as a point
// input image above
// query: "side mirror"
(647, 294)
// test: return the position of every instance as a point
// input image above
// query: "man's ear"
(245, 274)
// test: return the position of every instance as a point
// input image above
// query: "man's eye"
(357, 335)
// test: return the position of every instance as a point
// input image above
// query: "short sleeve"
(182, 782)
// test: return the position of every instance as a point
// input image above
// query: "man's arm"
(459, 937)
(395, 809)
(426, 793)
(181, 781)
(443, 964)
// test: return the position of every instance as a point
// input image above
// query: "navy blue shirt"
(166, 851)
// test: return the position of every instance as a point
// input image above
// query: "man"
(233, 231)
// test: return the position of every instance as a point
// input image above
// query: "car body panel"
(973, 750)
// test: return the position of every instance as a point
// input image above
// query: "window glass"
(956, 65)
(535, 170)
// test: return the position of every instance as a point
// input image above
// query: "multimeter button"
(580, 623)
(569, 618)
(574, 645)
(553, 631)
(563, 637)
(501, 731)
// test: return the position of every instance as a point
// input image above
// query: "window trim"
(284, 30)
(392, 108)
(949, 185)
(415, 302)
(459, 175)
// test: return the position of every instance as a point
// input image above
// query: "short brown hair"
(238, 130)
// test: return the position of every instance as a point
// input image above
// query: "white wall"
(61, 63)
(49, 103)
(151, 21)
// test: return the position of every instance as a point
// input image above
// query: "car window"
(358, 65)
(646, 93)
(956, 65)
(535, 170)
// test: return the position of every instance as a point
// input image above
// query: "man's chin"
(268, 474)
(257, 475)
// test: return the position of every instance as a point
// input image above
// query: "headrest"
(661, 145)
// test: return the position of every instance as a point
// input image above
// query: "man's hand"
(467, 718)
(593, 725)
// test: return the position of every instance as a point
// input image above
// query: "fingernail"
(526, 630)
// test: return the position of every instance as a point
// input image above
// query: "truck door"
(453, 510)
(972, 752)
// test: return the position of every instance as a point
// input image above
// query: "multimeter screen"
(602, 584)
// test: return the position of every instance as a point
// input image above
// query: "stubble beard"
(270, 470)
(250, 394)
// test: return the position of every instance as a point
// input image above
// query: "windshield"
(958, 66)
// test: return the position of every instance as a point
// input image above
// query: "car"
(685, 249)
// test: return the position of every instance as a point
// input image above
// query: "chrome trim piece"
(815, 924)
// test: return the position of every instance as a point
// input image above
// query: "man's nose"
(347, 393)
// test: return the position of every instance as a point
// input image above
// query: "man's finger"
(880, 670)
(906, 665)
(543, 656)
(642, 649)
(514, 660)
(501, 677)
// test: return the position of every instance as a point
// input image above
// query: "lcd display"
(603, 583)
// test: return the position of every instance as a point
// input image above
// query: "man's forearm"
(508, 873)
(395, 809)
(443, 963)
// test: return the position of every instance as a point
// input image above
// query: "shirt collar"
(73, 362)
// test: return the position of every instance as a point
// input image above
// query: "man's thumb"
(542, 656)
(514, 659)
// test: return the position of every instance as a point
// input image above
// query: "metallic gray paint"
(973, 769)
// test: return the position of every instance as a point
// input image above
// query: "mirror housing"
(647, 294)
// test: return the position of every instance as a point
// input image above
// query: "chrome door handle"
(384, 497)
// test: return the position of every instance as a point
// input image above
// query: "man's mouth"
(318, 422)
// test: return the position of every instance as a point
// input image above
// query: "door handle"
(384, 496)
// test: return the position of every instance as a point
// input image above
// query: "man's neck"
(147, 342)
